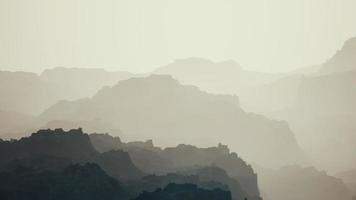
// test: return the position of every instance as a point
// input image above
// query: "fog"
(136, 100)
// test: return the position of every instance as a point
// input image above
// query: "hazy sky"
(140, 35)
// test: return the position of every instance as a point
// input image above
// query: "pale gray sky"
(140, 35)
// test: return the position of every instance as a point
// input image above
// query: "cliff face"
(159, 108)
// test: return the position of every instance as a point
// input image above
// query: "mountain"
(323, 116)
(143, 154)
(225, 77)
(158, 107)
(88, 126)
(307, 183)
(281, 93)
(29, 93)
(343, 60)
(25, 92)
(14, 124)
(318, 106)
(65, 164)
(349, 178)
(186, 192)
(151, 182)
(57, 164)
(82, 82)
(272, 97)
(213, 173)
(209, 164)
(74, 182)
(117, 164)
(73, 145)
(328, 94)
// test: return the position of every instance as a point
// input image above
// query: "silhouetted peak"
(185, 146)
(223, 148)
(73, 143)
(58, 132)
(219, 149)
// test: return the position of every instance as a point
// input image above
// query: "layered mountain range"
(50, 157)
(317, 101)
(271, 120)
(160, 108)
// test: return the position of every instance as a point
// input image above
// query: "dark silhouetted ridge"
(73, 145)
(186, 192)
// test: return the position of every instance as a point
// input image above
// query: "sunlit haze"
(139, 36)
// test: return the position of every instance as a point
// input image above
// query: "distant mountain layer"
(343, 60)
(294, 182)
(29, 93)
(272, 97)
(26, 92)
(320, 110)
(319, 107)
(82, 82)
(159, 108)
(323, 115)
(13, 124)
(225, 77)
